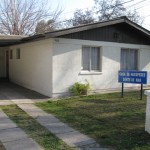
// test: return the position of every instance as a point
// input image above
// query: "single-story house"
(51, 63)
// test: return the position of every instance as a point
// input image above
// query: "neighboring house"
(51, 63)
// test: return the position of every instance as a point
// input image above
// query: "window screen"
(129, 59)
(91, 58)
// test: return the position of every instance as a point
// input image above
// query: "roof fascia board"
(137, 27)
(82, 28)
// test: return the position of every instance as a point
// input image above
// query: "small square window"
(18, 53)
(11, 54)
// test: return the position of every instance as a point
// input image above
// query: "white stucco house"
(51, 63)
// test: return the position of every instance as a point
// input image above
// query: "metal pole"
(141, 91)
(122, 90)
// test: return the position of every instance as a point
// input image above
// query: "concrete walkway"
(70, 136)
(24, 98)
(10, 92)
(13, 138)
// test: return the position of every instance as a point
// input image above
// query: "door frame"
(7, 63)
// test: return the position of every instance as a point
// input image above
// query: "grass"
(1, 146)
(112, 121)
(33, 129)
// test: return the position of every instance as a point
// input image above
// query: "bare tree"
(19, 17)
(109, 9)
(45, 26)
(82, 17)
(135, 17)
(104, 10)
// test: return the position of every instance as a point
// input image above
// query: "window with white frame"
(91, 58)
(18, 53)
(129, 59)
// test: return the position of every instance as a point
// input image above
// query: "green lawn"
(33, 129)
(112, 121)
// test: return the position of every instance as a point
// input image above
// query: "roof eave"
(137, 27)
(56, 34)
(83, 28)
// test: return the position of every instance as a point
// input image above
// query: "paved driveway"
(10, 91)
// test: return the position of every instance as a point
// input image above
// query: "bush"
(80, 89)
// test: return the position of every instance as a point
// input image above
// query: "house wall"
(3, 62)
(67, 64)
(34, 68)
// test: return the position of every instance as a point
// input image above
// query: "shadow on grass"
(107, 118)
(131, 139)
(121, 133)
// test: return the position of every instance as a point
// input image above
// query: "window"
(18, 53)
(11, 54)
(129, 59)
(90, 58)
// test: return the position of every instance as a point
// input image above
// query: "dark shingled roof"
(11, 40)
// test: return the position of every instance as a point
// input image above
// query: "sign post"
(141, 91)
(134, 77)
(122, 90)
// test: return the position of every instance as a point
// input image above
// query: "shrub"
(80, 89)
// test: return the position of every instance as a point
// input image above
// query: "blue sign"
(136, 77)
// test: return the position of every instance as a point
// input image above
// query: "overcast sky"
(142, 6)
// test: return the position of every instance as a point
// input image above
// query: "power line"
(66, 20)
(92, 7)
(126, 2)
(144, 5)
(147, 16)
(137, 3)
(92, 12)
